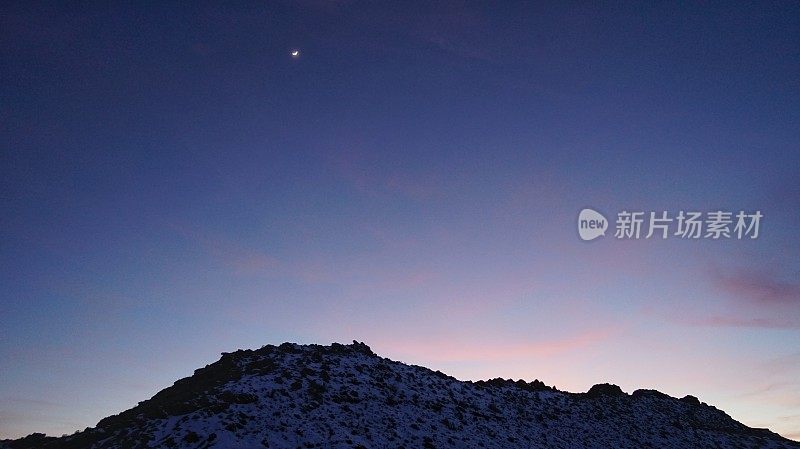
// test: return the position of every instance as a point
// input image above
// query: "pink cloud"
(239, 259)
(358, 170)
(756, 299)
(421, 187)
(348, 165)
(737, 321)
(454, 349)
(248, 263)
(757, 286)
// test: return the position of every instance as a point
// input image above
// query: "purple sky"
(174, 185)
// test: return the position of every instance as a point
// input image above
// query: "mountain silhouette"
(345, 396)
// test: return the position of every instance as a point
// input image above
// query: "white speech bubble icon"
(591, 224)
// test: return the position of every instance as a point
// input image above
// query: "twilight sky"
(173, 184)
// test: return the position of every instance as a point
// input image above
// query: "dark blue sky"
(174, 184)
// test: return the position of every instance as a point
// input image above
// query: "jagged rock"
(609, 390)
(649, 393)
(535, 385)
(689, 399)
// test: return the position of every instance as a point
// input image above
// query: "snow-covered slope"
(344, 396)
